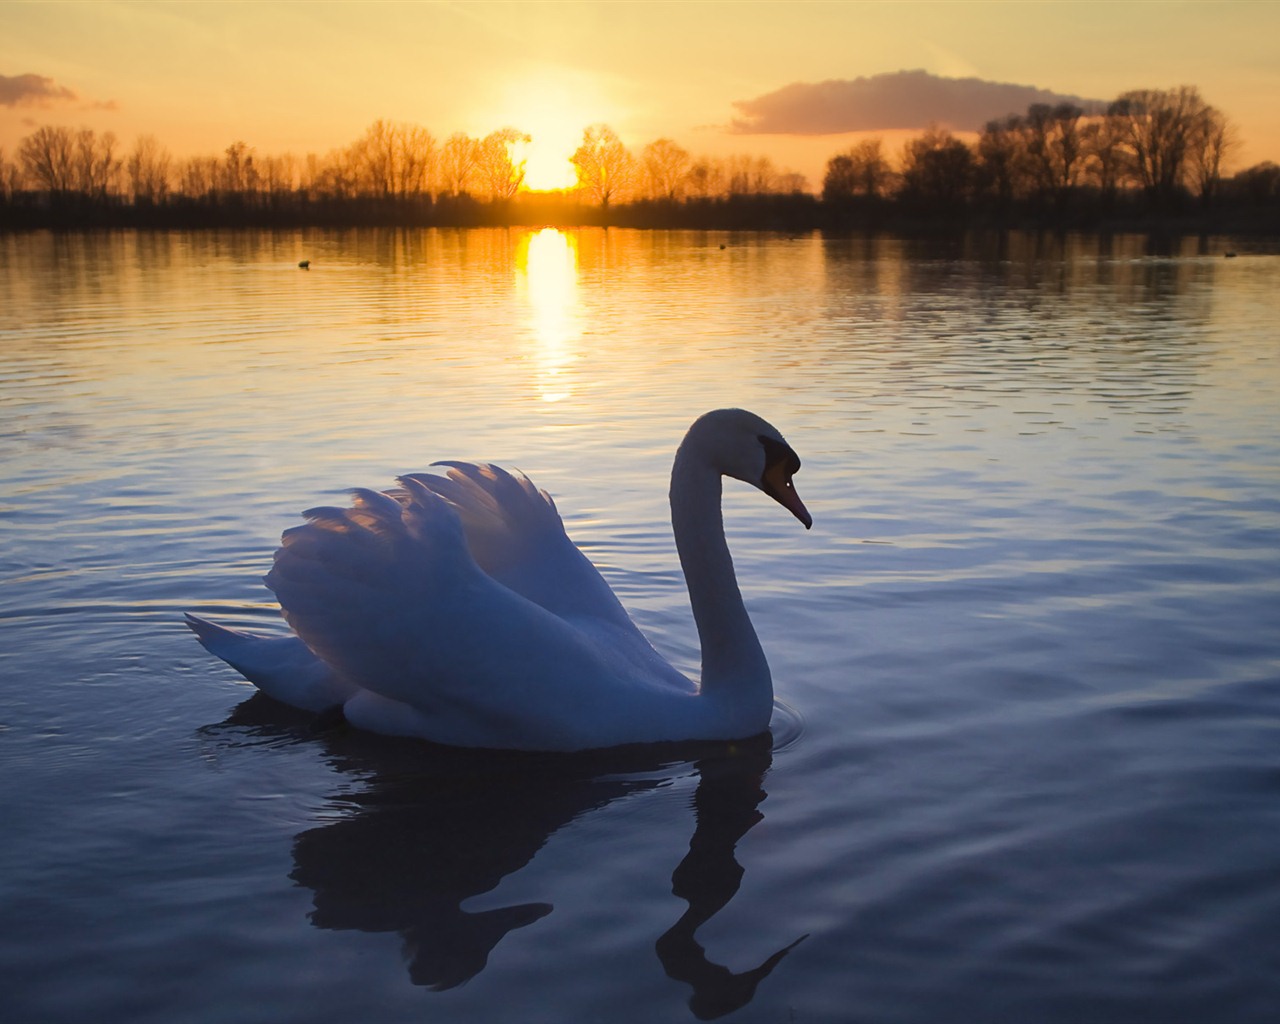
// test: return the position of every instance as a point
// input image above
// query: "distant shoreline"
(800, 212)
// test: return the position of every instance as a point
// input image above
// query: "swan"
(455, 608)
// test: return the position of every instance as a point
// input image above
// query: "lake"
(1026, 761)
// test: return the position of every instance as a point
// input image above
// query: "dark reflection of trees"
(432, 827)
(1119, 320)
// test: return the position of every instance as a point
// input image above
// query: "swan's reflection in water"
(433, 827)
(726, 805)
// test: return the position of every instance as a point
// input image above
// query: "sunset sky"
(309, 77)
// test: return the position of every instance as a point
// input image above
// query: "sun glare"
(547, 167)
(548, 107)
(547, 276)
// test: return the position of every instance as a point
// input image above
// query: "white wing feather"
(516, 536)
(388, 593)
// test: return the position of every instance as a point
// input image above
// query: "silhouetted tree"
(790, 182)
(937, 170)
(333, 176)
(48, 158)
(500, 173)
(198, 177)
(459, 158)
(1054, 148)
(148, 168)
(97, 165)
(665, 167)
(237, 173)
(605, 166)
(862, 170)
(747, 175)
(1158, 128)
(763, 178)
(1213, 138)
(1105, 159)
(1000, 160)
(394, 159)
(10, 177)
(374, 157)
(705, 178)
(840, 179)
(278, 175)
(871, 168)
(417, 151)
(1259, 184)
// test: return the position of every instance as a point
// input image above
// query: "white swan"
(456, 609)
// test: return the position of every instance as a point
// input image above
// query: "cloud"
(31, 91)
(899, 99)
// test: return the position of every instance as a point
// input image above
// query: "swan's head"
(742, 445)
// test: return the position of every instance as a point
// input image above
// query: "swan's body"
(456, 609)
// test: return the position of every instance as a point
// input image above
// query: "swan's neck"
(733, 663)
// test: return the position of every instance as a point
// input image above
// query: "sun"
(552, 107)
(547, 167)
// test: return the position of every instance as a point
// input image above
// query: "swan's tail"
(282, 667)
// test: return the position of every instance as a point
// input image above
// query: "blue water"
(1029, 763)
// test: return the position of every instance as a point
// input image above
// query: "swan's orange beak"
(777, 484)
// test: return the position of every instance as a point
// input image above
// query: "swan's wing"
(515, 534)
(282, 667)
(388, 594)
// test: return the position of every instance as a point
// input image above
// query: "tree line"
(1164, 146)
(397, 165)
(1150, 151)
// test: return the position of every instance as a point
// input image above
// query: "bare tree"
(706, 178)
(97, 166)
(790, 182)
(198, 177)
(605, 166)
(1105, 157)
(10, 177)
(737, 174)
(1158, 128)
(416, 148)
(1000, 159)
(665, 166)
(332, 176)
(840, 181)
(278, 175)
(459, 161)
(762, 177)
(872, 172)
(1260, 184)
(499, 171)
(375, 158)
(48, 158)
(395, 159)
(937, 169)
(1054, 149)
(1212, 140)
(238, 174)
(861, 170)
(148, 170)
(310, 173)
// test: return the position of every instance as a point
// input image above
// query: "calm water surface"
(1030, 769)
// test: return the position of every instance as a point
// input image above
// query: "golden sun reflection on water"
(547, 279)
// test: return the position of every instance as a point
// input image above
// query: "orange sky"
(310, 77)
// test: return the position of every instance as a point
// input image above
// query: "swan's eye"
(780, 462)
(779, 458)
